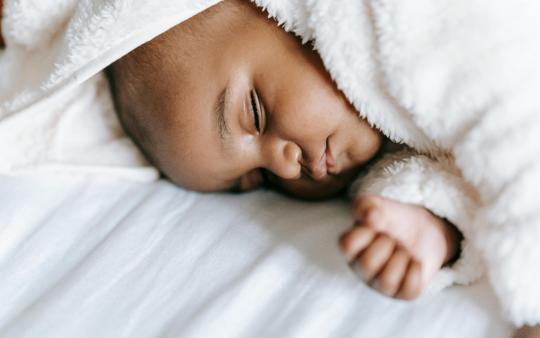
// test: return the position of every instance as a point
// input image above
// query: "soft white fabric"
(56, 112)
(95, 257)
(453, 79)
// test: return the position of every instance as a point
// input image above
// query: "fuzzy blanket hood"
(56, 112)
(456, 80)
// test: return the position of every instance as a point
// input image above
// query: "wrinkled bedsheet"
(96, 257)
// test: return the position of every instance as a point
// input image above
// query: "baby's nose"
(285, 161)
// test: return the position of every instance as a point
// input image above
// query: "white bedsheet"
(93, 257)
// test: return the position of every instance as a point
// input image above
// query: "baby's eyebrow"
(219, 109)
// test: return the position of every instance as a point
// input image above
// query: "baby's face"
(236, 101)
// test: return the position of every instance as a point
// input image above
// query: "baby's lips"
(320, 171)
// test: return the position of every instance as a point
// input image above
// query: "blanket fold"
(55, 50)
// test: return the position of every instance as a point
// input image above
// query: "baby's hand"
(395, 247)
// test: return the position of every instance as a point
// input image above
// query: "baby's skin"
(397, 248)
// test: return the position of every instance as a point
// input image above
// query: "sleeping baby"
(228, 101)
(242, 104)
(429, 114)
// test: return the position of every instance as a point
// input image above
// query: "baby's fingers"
(392, 276)
(412, 284)
(365, 205)
(374, 258)
(355, 240)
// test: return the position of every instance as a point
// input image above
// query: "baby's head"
(229, 101)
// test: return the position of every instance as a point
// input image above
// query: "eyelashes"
(258, 111)
(255, 110)
(259, 120)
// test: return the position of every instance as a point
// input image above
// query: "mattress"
(87, 256)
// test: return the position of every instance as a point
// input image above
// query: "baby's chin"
(308, 189)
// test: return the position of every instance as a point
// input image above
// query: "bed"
(89, 256)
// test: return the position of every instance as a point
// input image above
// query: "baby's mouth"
(325, 166)
(316, 170)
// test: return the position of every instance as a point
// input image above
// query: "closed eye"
(258, 111)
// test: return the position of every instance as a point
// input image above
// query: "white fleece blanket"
(56, 112)
(457, 80)
(450, 78)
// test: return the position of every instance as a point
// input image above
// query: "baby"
(228, 101)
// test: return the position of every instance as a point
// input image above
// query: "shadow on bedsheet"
(117, 259)
(303, 243)
(305, 236)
